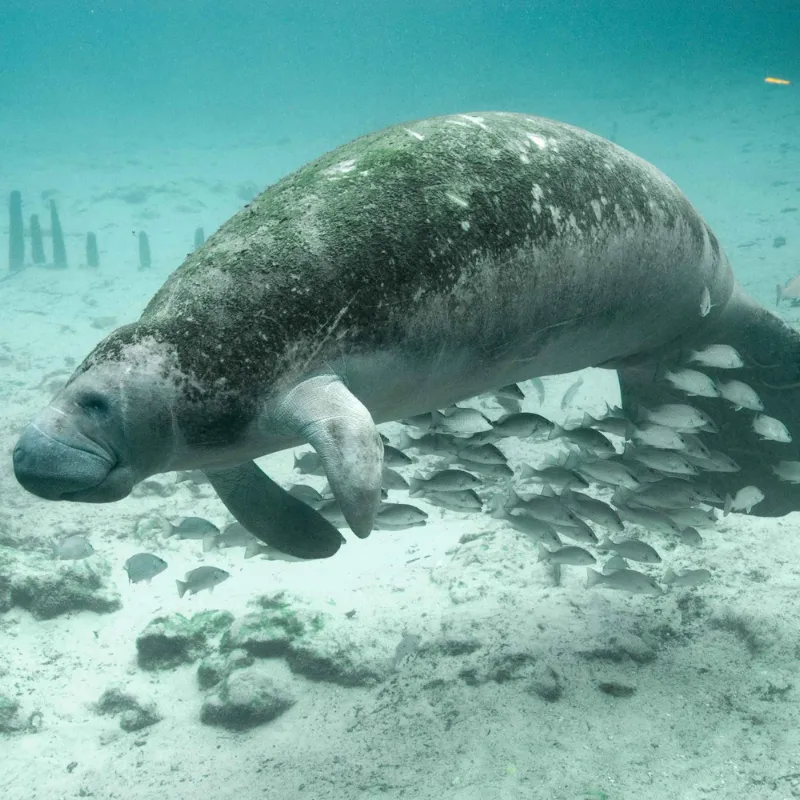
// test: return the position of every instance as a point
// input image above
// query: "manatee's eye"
(91, 401)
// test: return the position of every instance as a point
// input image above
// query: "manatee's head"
(107, 429)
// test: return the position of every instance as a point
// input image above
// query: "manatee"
(400, 273)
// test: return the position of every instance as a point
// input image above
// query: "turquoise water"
(436, 662)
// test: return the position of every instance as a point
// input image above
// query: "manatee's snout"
(59, 470)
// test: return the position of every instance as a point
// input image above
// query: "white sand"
(710, 718)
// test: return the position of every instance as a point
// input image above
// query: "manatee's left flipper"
(323, 412)
(272, 514)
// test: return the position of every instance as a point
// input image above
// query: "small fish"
(680, 417)
(521, 425)
(789, 291)
(332, 512)
(394, 457)
(625, 580)
(195, 476)
(777, 81)
(553, 475)
(693, 517)
(662, 460)
(393, 480)
(257, 548)
(72, 548)
(650, 518)
(632, 549)
(586, 438)
(719, 356)
(570, 394)
(193, 528)
(448, 480)
(577, 531)
(538, 386)
(308, 494)
(593, 509)
(740, 395)
(604, 470)
(546, 507)
(714, 461)
(309, 464)
(537, 529)
(693, 446)
(201, 578)
(483, 454)
(673, 493)
(691, 537)
(771, 428)
(690, 381)
(398, 516)
(420, 421)
(510, 392)
(691, 577)
(574, 556)
(788, 471)
(144, 567)
(744, 500)
(658, 436)
(458, 500)
(429, 444)
(615, 422)
(496, 471)
(232, 535)
(613, 564)
(460, 422)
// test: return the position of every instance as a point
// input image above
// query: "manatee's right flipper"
(770, 350)
(272, 514)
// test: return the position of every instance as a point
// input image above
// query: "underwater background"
(437, 661)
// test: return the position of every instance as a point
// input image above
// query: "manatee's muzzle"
(57, 470)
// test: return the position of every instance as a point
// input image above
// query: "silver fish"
(496, 471)
(510, 392)
(662, 460)
(460, 422)
(632, 549)
(691, 381)
(448, 480)
(460, 500)
(546, 507)
(575, 556)
(421, 421)
(593, 509)
(771, 428)
(393, 480)
(430, 444)
(679, 416)
(308, 494)
(535, 528)
(625, 580)
(586, 438)
(578, 532)
(691, 577)
(740, 395)
(521, 425)
(232, 535)
(788, 471)
(538, 386)
(658, 436)
(705, 302)
(691, 537)
(257, 548)
(674, 493)
(72, 548)
(650, 518)
(569, 395)
(398, 516)
(193, 528)
(693, 446)
(553, 475)
(719, 356)
(201, 578)
(693, 517)
(144, 567)
(615, 422)
(744, 500)
(482, 453)
(394, 457)
(715, 461)
(603, 470)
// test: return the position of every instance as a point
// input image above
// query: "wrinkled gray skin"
(405, 271)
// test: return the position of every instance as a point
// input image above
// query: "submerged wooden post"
(16, 233)
(59, 250)
(37, 242)
(144, 251)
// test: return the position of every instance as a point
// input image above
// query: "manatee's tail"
(771, 353)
